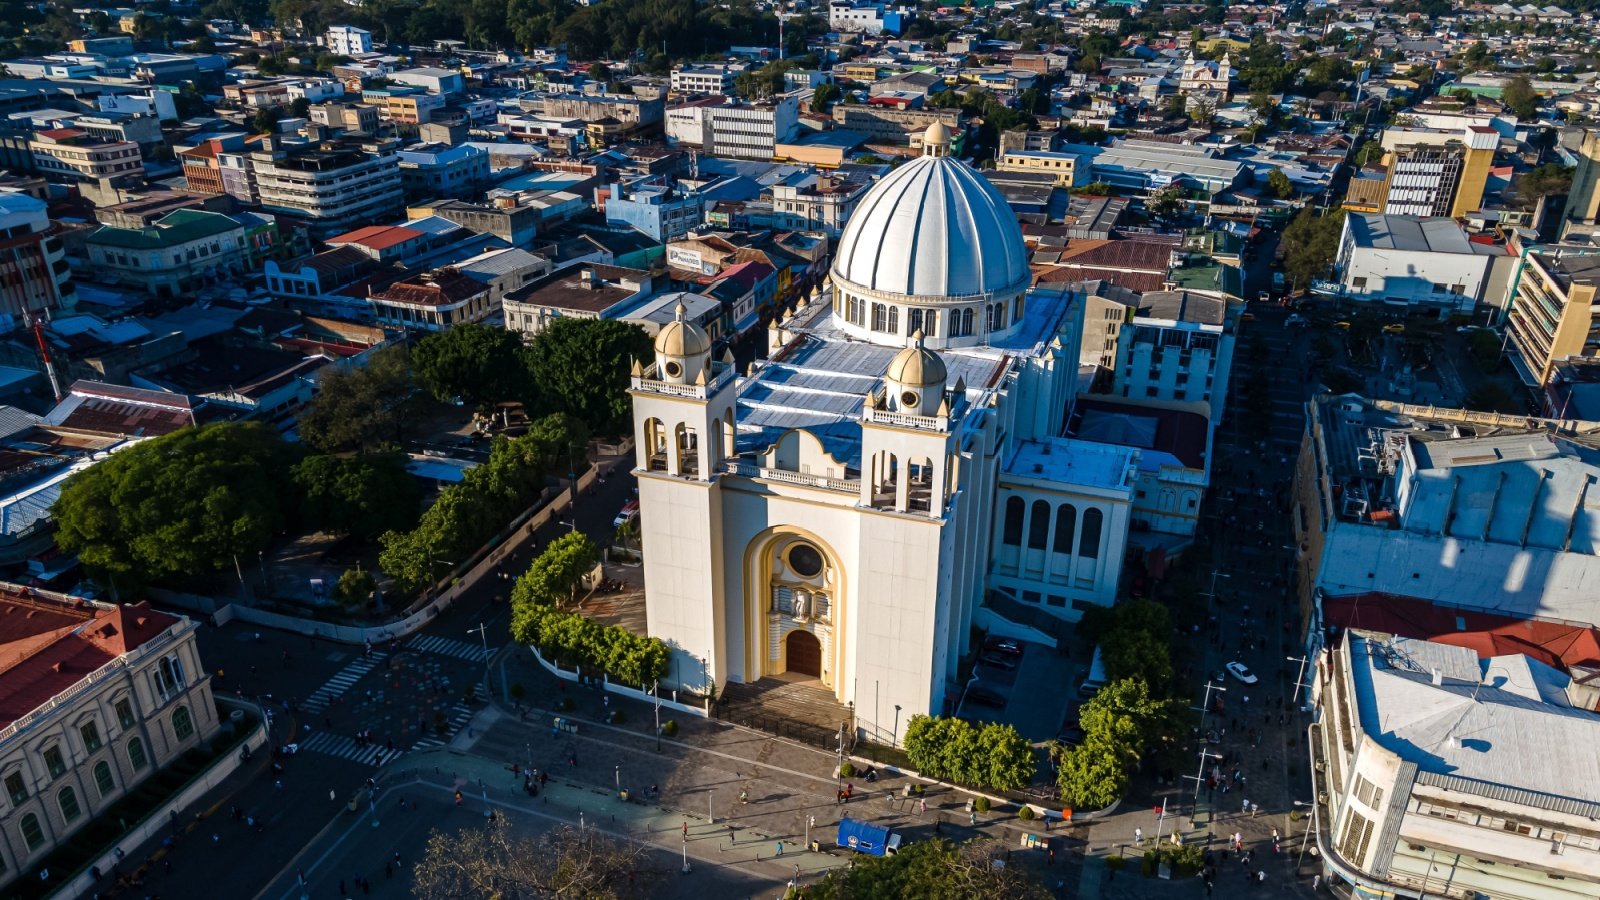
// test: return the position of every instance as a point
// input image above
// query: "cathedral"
(841, 512)
(1203, 77)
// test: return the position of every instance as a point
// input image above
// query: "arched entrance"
(803, 653)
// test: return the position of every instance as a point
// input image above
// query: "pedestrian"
(731, 837)
(686, 830)
(215, 838)
(1244, 807)
(1261, 876)
(1254, 808)
(1316, 882)
(744, 796)
(1138, 837)
(972, 819)
(922, 809)
(780, 848)
(1050, 856)
(458, 798)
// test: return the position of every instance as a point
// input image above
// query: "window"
(1066, 521)
(1089, 541)
(1370, 795)
(91, 736)
(930, 323)
(68, 801)
(136, 756)
(961, 323)
(124, 713)
(182, 723)
(15, 788)
(169, 677)
(894, 320)
(880, 317)
(1038, 525)
(103, 780)
(1357, 833)
(1012, 536)
(32, 834)
(54, 762)
(1358, 284)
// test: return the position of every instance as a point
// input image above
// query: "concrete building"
(1553, 312)
(438, 170)
(444, 82)
(95, 697)
(1063, 167)
(347, 40)
(1440, 774)
(661, 212)
(329, 187)
(589, 291)
(742, 130)
(810, 201)
(403, 105)
(698, 78)
(516, 225)
(1583, 198)
(343, 116)
(71, 154)
(891, 124)
(839, 516)
(175, 257)
(633, 114)
(433, 301)
(1177, 346)
(1142, 165)
(867, 18)
(1411, 263)
(34, 276)
(1437, 172)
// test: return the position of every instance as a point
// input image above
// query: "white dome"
(933, 228)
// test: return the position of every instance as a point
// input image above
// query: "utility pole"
(656, 690)
(1299, 677)
(1211, 595)
(1205, 705)
(482, 631)
(1199, 779)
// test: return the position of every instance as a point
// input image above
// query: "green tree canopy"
(555, 573)
(1311, 243)
(1092, 775)
(1279, 185)
(581, 367)
(365, 407)
(930, 870)
(362, 495)
(480, 364)
(992, 755)
(188, 502)
(1519, 95)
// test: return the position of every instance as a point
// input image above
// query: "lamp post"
(655, 690)
(482, 631)
(686, 855)
(894, 736)
(372, 805)
(487, 812)
(1211, 595)
(810, 821)
(1299, 677)
(619, 780)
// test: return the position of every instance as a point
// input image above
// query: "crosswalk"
(458, 717)
(337, 745)
(428, 643)
(341, 682)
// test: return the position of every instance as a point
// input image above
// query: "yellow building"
(1064, 166)
(1437, 171)
(1553, 312)
(1583, 200)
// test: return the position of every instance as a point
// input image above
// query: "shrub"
(981, 804)
(1025, 814)
(847, 770)
(669, 727)
(993, 756)
(1115, 863)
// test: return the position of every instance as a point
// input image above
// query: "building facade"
(34, 275)
(72, 155)
(1176, 346)
(1062, 166)
(1433, 172)
(691, 78)
(813, 202)
(96, 698)
(331, 187)
(176, 256)
(1553, 312)
(1406, 262)
(347, 40)
(751, 130)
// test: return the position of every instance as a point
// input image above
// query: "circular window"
(805, 560)
(909, 398)
(674, 370)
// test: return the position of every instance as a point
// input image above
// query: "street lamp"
(894, 736)
(655, 690)
(810, 821)
(482, 631)
(1299, 677)
(1212, 594)
(619, 781)
(487, 812)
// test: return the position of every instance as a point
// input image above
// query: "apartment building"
(34, 276)
(179, 254)
(632, 113)
(95, 697)
(695, 78)
(403, 105)
(889, 123)
(72, 154)
(1437, 172)
(443, 82)
(661, 212)
(347, 40)
(751, 130)
(1554, 312)
(344, 116)
(809, 201)
(1063, 167)
(592, 291)
(440, 170)
(1176, 346)
(329, 187)
(433, 301)
(1442, 774)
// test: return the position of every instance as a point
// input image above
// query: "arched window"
(1089, 542)
(894, 320)
(136, 755)
(1066, 521)
(1013, 530)
(67, 799)
(999, 317)
(103, 779)
(880, 317)
(961, 323)
(930, 323)
(182, 723)
(1038, 525)
(32, 834)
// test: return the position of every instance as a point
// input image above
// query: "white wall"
(1412, 276)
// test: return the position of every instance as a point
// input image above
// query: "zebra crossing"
(337, 745)
(458, 717)
(341, 682)
(428, 643)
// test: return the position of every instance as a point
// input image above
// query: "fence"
(827, 739)
(619, 689)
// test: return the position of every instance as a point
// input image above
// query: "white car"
(1241, 672)
(1297, 321)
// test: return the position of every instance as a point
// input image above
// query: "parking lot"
(1032, 692)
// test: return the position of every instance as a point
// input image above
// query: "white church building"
(841, 512)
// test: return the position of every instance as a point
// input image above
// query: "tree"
(561, 864)
(1136, 653)
(362, 496)
(930, 870)
(554, 575)
(1280, 185)
(354, 588)
(300, 108)
(191, 501)
(1520, 97)
(266, 119)
(363, 408)
(1311, 243)
(992, 755)
(1547, 180)
(824, 95)
(480, 364)
(580, 367)
(1093, 774)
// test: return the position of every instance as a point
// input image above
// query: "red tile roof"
(1556, 643)
(377, 237)
(47, 645)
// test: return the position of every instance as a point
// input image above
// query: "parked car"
(985, 697)
(1242, 672)
(629, 510)
(1005, 646)
(998, 660)
(1297, 321)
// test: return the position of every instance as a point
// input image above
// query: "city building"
(889, 123)
(1482, 513)
(181, 253)
(1553, 312)
(1176, 346)
(343, 116)
(443, 82)
(590, 291)
(442, 171)
(633, 114)
(700, 78)
(838, 516)
(331, 186)
(1205, 79)
(662, 212)
(1437, 172)
(71, 154)
(1144, 165)
(1583, 198)
(1062, 166)
(34, 275)
(745, 130)
(809, 201)
(403, 105)
(867, 18)
(433, 301)
(347, 40)
(1406, 262)
(1438, 773)
(94, 698)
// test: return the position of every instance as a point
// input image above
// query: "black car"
(984, 697)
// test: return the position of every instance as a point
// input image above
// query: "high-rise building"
(330, 187)
(1437, 172)
(1555, 313)
(34, 276)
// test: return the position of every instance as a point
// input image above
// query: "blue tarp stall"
(863, 837)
